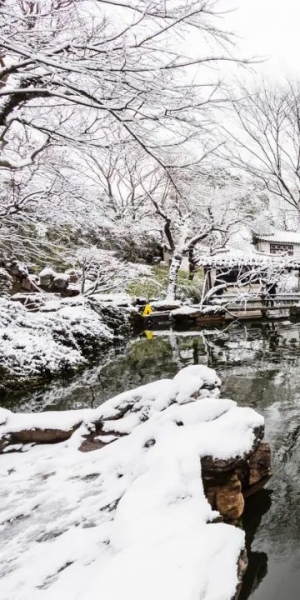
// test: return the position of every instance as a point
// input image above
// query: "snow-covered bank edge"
(63, 337)
(130, 518)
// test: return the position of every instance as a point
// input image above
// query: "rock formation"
(226, 487)
(135, 440)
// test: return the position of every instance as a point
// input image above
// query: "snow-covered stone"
(60, 281)
(118, 299)
(47, 276)
(187, 310)
(167, 304)
(47, 272)
(58, 338)
(130, 520)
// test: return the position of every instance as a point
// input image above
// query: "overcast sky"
(270, 28)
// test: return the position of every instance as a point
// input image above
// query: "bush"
(151, 286)
(155, 286)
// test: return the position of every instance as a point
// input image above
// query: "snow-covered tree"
(264, 140)
(101, 271)
(105, 73)
(204, 210)
(121, 87)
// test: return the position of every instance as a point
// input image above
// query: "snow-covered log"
(131, 518)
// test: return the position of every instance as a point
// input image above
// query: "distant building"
(280, 249)
(280, 242)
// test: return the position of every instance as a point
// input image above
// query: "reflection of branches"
(93, 400)
(173, 339)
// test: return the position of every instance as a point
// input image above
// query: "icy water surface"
(260, 367)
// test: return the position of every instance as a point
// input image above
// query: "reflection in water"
(256, 506)
(260, 367)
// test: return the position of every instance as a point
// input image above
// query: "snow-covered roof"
(233, 258)
(280, 237)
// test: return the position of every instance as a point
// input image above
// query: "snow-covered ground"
(56, 338)
(129, 521)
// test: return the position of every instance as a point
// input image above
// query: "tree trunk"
(192, 263)
(168, 234)
(83, 274)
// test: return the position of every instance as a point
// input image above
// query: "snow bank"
(131, 520)
(58, 338)
(120, 299)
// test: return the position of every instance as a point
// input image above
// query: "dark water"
(260, 367)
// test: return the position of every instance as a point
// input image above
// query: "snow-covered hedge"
(129, 521)
(58, 338)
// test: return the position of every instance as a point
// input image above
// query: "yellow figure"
(147, 310)
(148, 334)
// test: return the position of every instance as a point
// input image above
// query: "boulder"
(165, 305)
(47, 276)
(260, 464)
(229, 499)
(73, 276)
(16, 278)
(60, 282)
(227, 483)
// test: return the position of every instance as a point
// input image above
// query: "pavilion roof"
(232, 259)
(280, 237)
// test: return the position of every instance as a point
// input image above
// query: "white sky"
(269, 28)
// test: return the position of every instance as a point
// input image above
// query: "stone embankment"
(60, 337)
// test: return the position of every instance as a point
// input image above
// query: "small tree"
(101, 271)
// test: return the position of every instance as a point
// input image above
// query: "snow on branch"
(127, 76)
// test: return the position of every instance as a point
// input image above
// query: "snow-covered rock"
(129, 520)
(56, 338)
(115, 299)
(47, 272)
(166, 304)
(60, 281)
(46, 276)
(5, 282)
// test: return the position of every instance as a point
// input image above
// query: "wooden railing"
(257, 301)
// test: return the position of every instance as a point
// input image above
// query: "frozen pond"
(260, 366)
